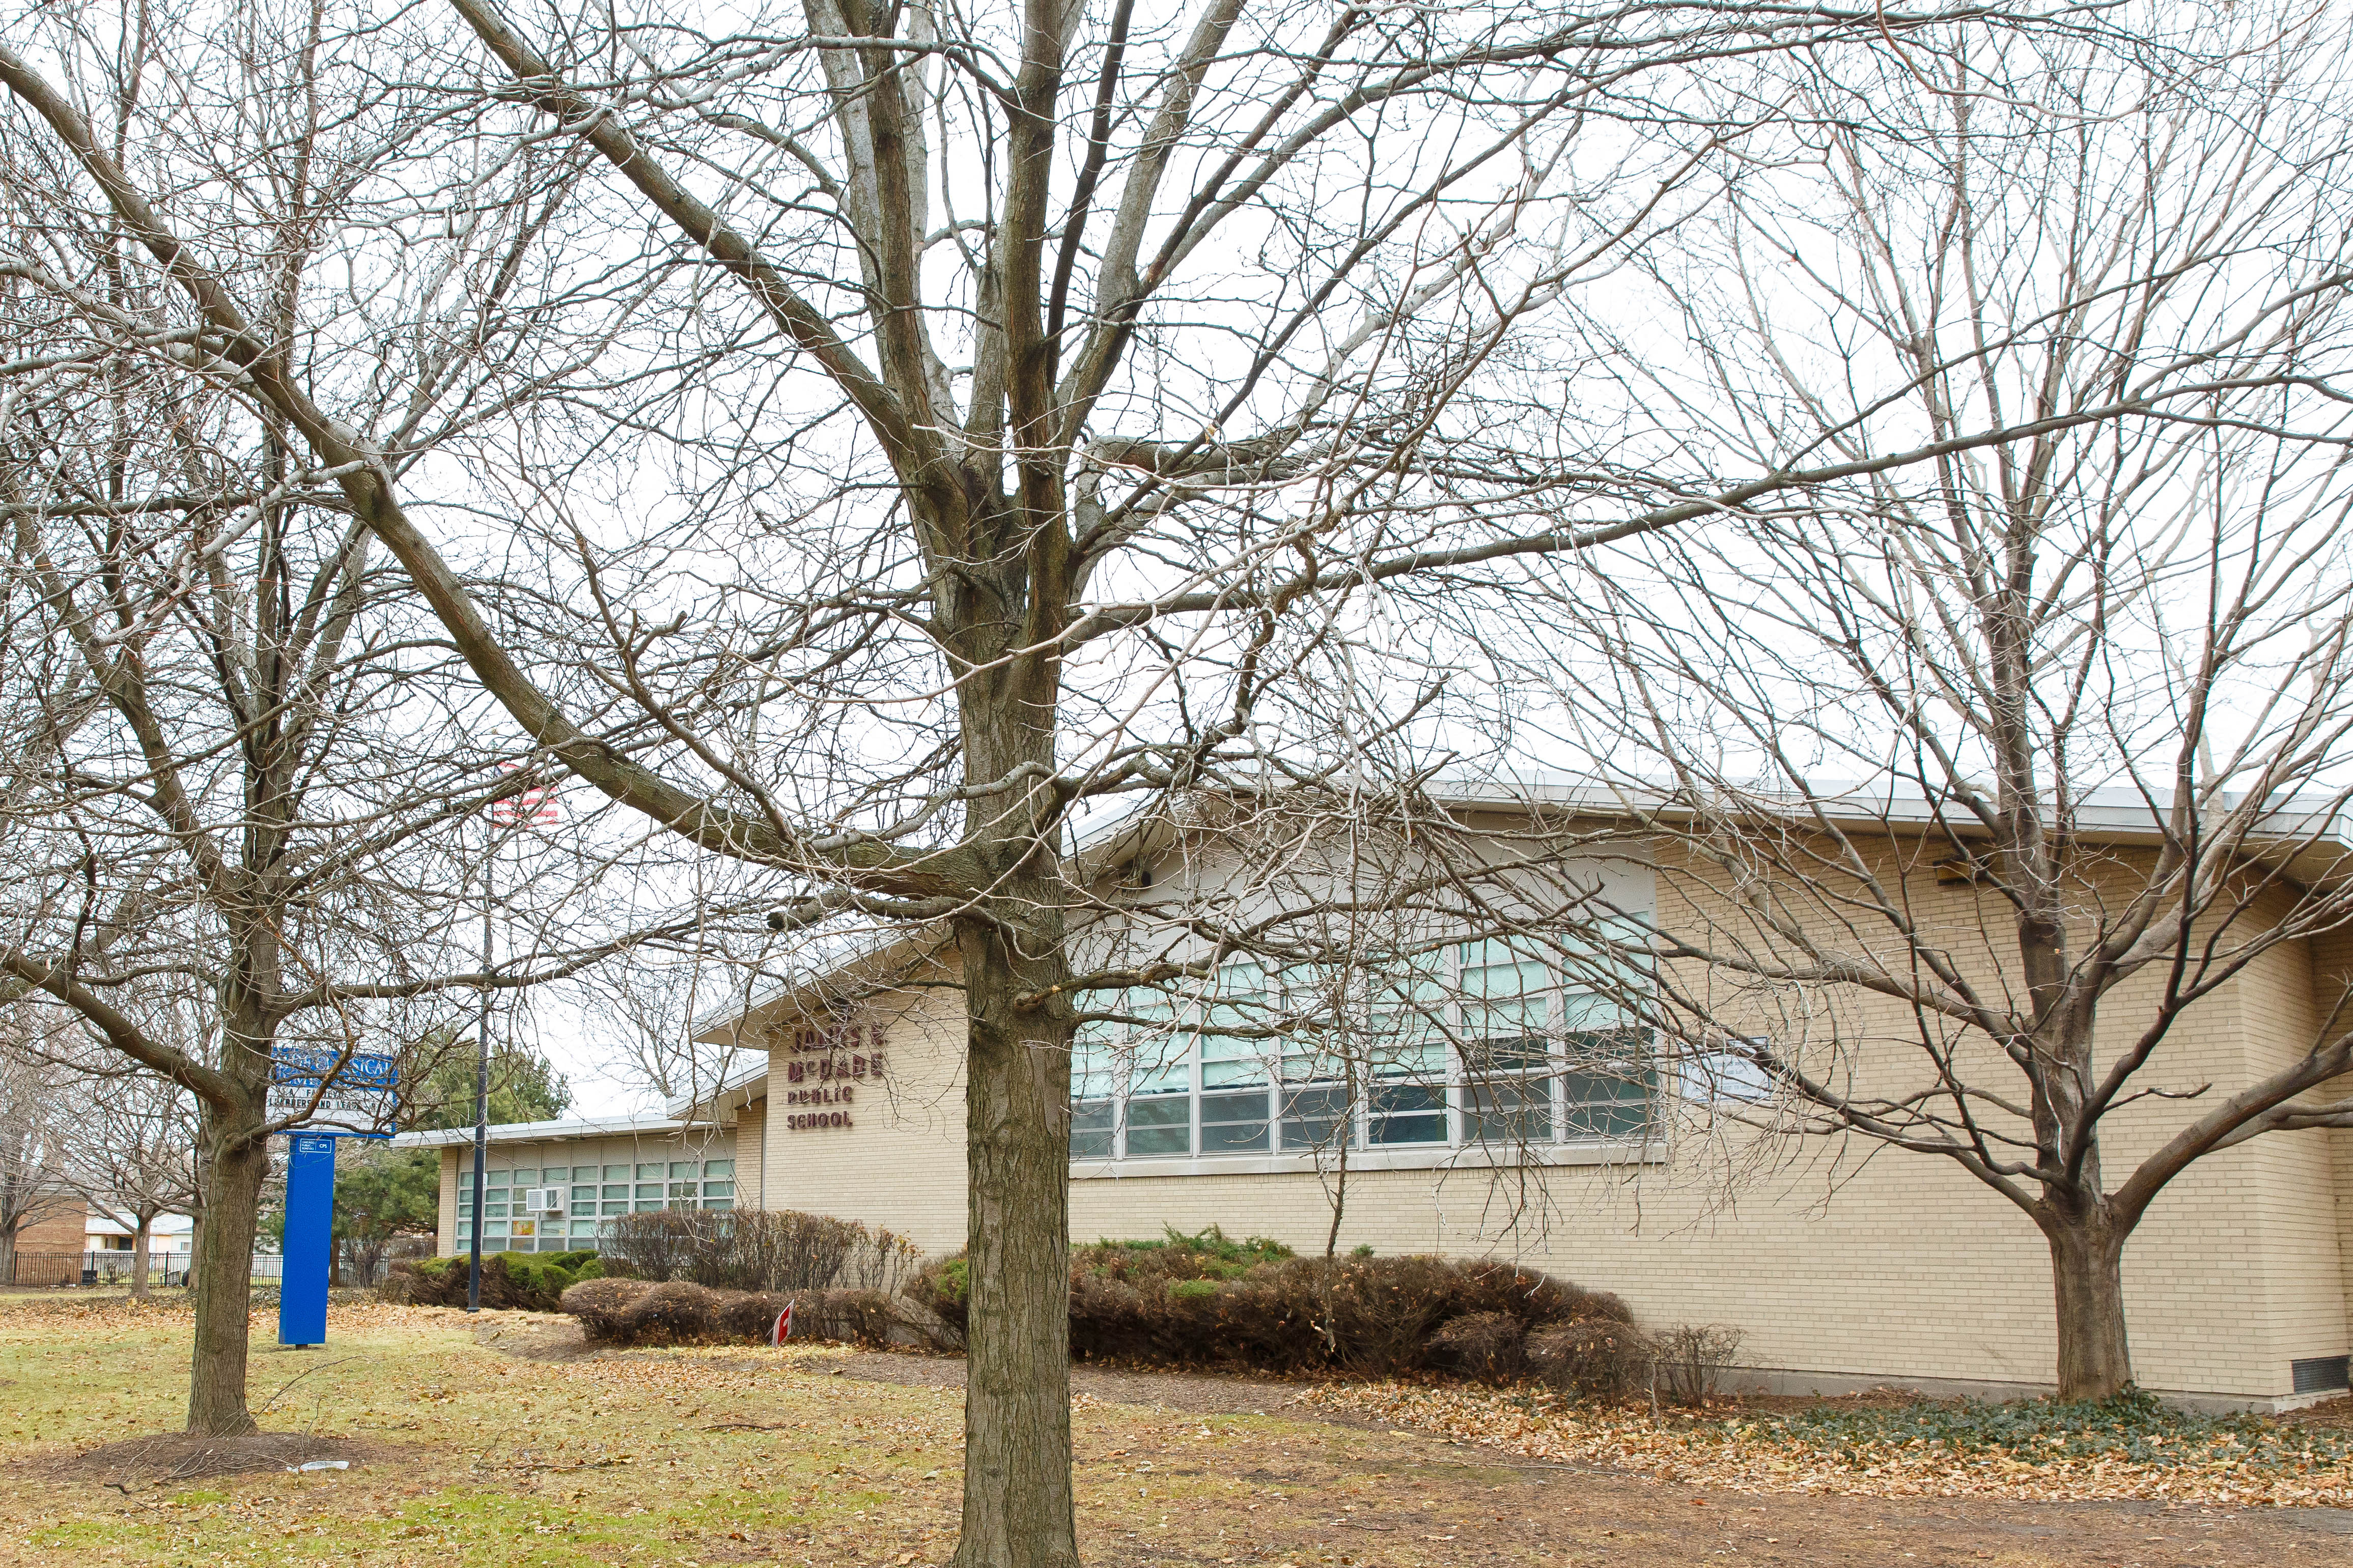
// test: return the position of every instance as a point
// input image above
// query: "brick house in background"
(49, 1249)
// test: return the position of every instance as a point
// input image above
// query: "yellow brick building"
(1843, 1263)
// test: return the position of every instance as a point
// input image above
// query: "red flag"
(784, 1329)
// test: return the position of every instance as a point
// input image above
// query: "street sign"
(362, 1089)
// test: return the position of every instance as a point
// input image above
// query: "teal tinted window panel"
(621, 1207)
(1508, 1112)
(494, 1211)
(619, 1190)
(652, 1173)
(719, 1203)
(719, 1167)
(682, 1170)
(616, 1174)
(718, 1189)
(649, 1205)
(1405, 1113)
(1234, 1123)
(1230, 1060)
(650, 1189)
(1608, 1120)
(1093, 1058)
(1158, 1056)
(584, 1196)
(1315, 1120)
(1091, 1130)
(1160, 1126)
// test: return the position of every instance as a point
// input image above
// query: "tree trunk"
(8, 1256)
(224, 1280)
(140, 1238)
(2087, 1276)
(1017, 1506)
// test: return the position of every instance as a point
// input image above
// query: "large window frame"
(592, 1192)
(1492, 1051)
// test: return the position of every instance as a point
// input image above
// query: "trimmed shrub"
(681, 1312)
(754, 1249)
(511, 1281)
(1207, 1300)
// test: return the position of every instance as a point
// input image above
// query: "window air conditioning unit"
(542, 1200)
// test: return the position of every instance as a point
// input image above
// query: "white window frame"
(1557, 1147)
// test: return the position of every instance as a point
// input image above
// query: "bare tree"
(2101, 680)
(998, 419)
(129, 1144)
(247, 776)
(32, 1171)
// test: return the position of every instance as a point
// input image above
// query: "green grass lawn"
(470, 1455)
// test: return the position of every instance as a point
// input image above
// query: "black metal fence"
(113, 1269)
(97, 1269)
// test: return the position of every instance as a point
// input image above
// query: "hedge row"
(520, 1282)
(1201, 1301)
(681, 1312)
(1191, 1301)
(756, 1250)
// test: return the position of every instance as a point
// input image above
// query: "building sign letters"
(823, 1069)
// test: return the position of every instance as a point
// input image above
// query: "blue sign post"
(310, 1240)
(339, 1096)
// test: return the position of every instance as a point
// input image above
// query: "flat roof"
(546, 1132)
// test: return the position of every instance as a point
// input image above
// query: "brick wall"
(1836, 1259)
(59, 1226)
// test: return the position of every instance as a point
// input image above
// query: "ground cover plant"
(2133, 1446)
(463, 1452)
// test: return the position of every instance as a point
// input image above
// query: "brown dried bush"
(1592, 1358)
(681, 1312)
(755, 1250)
(1487, 1346)
(1692, 1358)
(1205, 1300)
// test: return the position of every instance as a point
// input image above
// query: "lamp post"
(534, 805)
(481, 1094)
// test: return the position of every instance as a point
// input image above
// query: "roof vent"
(2317, 1375)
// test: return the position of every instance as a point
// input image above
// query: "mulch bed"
(169, 1458)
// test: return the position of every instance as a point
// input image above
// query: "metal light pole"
(481, 1094)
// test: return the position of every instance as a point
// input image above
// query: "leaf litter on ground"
(2134, 1445)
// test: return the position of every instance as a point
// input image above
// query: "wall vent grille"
(2319, 1373)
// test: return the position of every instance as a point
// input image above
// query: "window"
(1486, 1044)
(1234, 1069)
(1728, 1073)
(1160, 1083)
(1092, 1123)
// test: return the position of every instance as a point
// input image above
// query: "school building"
(1534, 1123)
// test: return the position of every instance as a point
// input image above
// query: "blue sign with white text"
(310, 1240)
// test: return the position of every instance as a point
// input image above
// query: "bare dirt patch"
(169, 1458)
